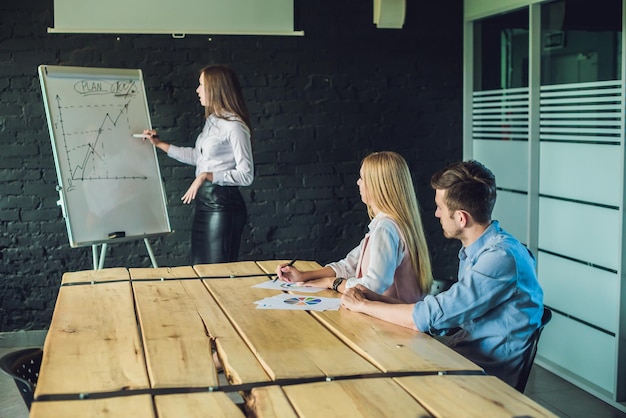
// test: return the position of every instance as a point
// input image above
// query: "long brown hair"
(223, 94)
(388, 182)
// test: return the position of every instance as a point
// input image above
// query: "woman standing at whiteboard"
(223, 159)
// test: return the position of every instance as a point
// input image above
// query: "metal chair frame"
(529, 356)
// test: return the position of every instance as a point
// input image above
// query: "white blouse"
(222, 148)
(386, 254)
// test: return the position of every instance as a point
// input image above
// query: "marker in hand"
(144, 136)
(291, 263)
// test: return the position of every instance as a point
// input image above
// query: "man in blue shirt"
(491, 312)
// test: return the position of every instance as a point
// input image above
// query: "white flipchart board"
(108, 181)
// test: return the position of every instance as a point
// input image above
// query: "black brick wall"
(319, 103)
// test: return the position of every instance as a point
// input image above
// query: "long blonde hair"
(223, 94)
(388, 183)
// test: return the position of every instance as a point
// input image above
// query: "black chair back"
(529, 356)
(23, 366)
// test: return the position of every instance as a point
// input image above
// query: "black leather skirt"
(219, 217)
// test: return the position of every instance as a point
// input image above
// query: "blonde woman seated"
(392, 259)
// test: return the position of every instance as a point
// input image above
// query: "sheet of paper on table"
(299, 303)
(284, 286)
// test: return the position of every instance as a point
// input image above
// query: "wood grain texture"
(471, 396)
(240, 364)
(289, 344)
(138, 406)
(104, 275)
(161, 272)
(269, 266)
(390, 347)
(93, 343)
(241, 268)
(178, 349)
(354, 398)
(269, 402)
(196, 405)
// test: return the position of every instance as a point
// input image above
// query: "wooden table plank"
(96, 276)
(378, 397)
(241, 268)
(299, 347)
(93, 344)
(269, 402)
(178, 349)
(390, 347)
(137, 406)
(470, 396)
(196, 405)
(269, 266)
(240, 364)
(161, 272)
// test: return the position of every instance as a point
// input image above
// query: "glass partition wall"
(544, 109)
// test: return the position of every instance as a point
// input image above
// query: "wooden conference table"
(138, 343)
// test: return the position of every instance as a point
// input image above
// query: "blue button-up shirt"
(497, 302)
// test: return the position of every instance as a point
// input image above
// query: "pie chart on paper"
(304, 300)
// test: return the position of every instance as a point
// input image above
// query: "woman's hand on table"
(324, 282)
(356, 297)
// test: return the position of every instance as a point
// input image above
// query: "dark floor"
(545, 388)
(565, 399)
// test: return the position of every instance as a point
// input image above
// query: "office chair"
(529, 356)
(440, 285)
(23, 366)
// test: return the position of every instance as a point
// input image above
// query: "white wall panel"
(584, 172)
(508, 160)
(580, 349)
(582, 291)
(584, 232)
(562, 143)
(511, 211)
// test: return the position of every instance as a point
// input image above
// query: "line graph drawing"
(107, 180)
(89, 151)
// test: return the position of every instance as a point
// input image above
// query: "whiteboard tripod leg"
(94, 255)
(98, 262)
(103, 252)
(150, 253)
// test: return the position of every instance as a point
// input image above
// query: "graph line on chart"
(90, 151)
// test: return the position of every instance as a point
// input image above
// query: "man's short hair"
(469, 186)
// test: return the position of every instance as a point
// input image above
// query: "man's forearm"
(399, 314)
